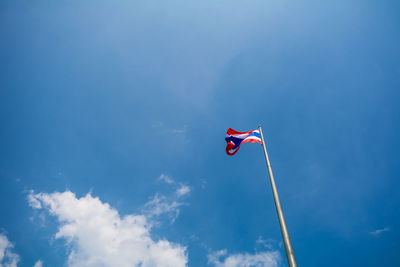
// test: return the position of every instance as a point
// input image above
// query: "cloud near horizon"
(7, 257)
(260, 259)
(98, 236)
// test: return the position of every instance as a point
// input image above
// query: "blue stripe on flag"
(235, 140)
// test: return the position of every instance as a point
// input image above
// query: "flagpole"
(285, 235)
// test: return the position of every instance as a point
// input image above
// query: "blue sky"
(114, 115)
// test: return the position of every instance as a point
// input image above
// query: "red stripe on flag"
(231, 131)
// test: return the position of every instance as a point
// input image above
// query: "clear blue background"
(104, 96)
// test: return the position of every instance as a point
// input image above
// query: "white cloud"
(7, 257)
(183, 190)
(39, 263)
(165, 178)
(379, 231)
(98, 236)
(261, 259)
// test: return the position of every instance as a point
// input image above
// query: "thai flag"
(234, 139)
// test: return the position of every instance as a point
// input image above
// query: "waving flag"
(234, 139)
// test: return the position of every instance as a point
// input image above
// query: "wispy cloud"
(266, 243)
(183, 190)
(98, 236)
(7, 257)
(377, 232)
(39, 263)
(160, 205)
(164, 129)
(203, 184)
(166, 205)
(179, 131)
(165, 178)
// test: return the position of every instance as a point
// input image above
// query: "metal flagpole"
(285, 235)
